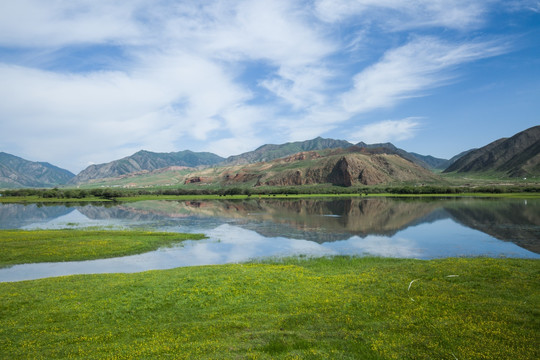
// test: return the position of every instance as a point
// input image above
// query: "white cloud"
(243, 124)
(181, 77)
(115, 109)
(277, 31)
(409, 70)
(302, 87)
(523, 5)
(234, 145)
(399, 15)
(179, 82)
(387, 131)
(61, 22)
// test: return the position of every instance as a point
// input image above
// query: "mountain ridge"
(18, 172)
(343, 167)
(270, 152)
(516, 156)
(144, 160)
(141, 162)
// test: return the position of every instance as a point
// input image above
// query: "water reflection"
(14, 216)
(230, 244)
(243, 230)
(310, 219)
(517, 221)
(335, 219)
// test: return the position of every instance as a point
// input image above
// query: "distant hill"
(456, 158)
(425, 161)
(432, 162)
(343, 167)
(16, 172)
(518, 156)
(142, 166)
(145, 161)
(270, 152)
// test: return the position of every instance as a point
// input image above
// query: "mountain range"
(344, 167)
(518, 156)
(145, 161)
(18, 172)
(313, 161)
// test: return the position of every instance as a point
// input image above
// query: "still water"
(239, 231)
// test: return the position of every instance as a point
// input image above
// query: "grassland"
(161, 196)
(20, 246)
(32, 199)
(339, 308)
(307, 196)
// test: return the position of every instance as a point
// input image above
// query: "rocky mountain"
(456, 158)
(270, 152)
(344, 167)
(145, 161)
(432, 162)
(16, 172)
(315, 161)
(518, 156)
(425, 161)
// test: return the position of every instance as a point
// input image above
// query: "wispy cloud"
(59, 23)
(219, 75)
(410, 70)
(399, 15)
(153, 107)
(301, 87)
(387, 131)
(180, 80)
(523, 5)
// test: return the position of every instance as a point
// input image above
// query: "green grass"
(37, 199)
(19, 247)
(517, 195)
(488, 177)
(521, 195)
(34, 199)
(340, 308)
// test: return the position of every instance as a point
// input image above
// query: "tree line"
(110, 193)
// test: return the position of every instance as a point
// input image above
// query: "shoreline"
(36, 199)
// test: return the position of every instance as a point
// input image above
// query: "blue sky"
(91, 81)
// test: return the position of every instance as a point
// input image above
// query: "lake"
(253, 229)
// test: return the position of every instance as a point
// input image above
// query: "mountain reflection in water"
(314, 220)
(318, 220)
(327, 220)
(243, 230)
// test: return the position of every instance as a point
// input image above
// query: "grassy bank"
(341, 308)
(34, 199)
(20, 247)
(198, 192)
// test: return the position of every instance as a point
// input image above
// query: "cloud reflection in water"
(230, 244)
